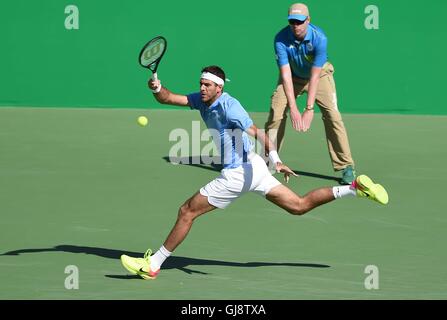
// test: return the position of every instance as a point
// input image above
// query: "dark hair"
(217, 71)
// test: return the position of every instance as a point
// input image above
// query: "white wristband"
(157, 90)
(273, 155)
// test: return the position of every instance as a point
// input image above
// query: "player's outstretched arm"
(270, 150)
(165, 96)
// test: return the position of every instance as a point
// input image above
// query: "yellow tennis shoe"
(367, 188)
(140, 266)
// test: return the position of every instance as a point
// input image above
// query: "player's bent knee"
(186, 213)
(298, 209)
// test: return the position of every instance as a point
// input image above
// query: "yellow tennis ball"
(142, 121)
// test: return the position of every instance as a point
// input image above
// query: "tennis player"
(243, 169)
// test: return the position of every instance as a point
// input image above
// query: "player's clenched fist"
(154, 84)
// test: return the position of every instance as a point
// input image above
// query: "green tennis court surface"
(79, 187)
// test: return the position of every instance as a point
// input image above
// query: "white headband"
(212, 77)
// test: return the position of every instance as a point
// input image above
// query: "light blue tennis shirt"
(301, 55)
(227, 121)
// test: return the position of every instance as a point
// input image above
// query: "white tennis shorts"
(233, 183)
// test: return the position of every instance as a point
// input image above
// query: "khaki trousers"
(326, 99)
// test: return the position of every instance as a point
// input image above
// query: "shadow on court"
(194, 162)
(317, 175)
(174, 262)
(197, 162)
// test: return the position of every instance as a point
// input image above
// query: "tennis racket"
(152, 53)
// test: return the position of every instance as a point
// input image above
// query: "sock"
(343, 191)
(159, 257)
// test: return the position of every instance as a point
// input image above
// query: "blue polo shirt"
(227, 121)
(302, 56)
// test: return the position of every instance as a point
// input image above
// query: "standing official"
(301, 54)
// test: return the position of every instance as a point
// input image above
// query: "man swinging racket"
(243, 169)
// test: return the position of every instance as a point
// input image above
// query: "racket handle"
(155, 78)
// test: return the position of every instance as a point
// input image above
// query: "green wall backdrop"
(397, 68)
